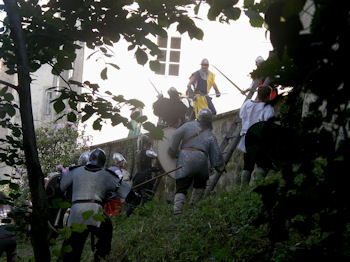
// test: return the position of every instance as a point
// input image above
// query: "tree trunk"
(39, 228)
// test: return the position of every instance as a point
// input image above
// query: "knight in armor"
(91, 185)
(8, 242)
(251, 112)
(144, 171)
(115, 205)
(202, 80)
(171, 111)
(257, 83)
(193, 143)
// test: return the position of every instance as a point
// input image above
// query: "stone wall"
(166, 187)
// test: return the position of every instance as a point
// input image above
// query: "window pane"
(162, 42)
(175, 56)
(163, 58)
(161, 70)
(175, 43)
(174, 69)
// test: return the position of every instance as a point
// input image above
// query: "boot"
(179, 202)
(260, 174)
(196, 195)
(245, 178)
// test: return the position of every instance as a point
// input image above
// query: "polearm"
(156, 177)
(154, 87)
(236, 86)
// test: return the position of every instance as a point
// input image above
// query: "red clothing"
(113, 207)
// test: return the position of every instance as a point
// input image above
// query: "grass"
(218, 228)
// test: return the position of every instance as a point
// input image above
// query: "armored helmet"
(143, 141)
(84, 158)
(97, 157)
(259, 60)
(205, 61)
(173, 92)
(205, 116)
(117, 158)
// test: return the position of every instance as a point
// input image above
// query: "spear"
(156, 177)
(240, 90)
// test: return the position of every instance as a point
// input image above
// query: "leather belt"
(87, 201)
(194, 149)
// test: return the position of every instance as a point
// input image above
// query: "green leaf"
(141, 56)
(59, 203)
(3, 91)
(59, 106)
(119, 98)
(5, 182)
(73, 82)
(97, 124)
(66, 231)
(87, 214)
(148, 126)
(11, 111)
(80, 228)
(255, 19)
(156, 133)
(14, 186)
(16, 132)
(141, 119)
(135, 115)
(233, 13)
(154, 65)
(8, 97)
(71, 117)
(136, 103)
(99, 217)
(104, 74)
(248, 3)
(67, 249)
(114, 65)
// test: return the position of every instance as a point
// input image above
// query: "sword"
(156, 177)
(159, 93)
(240, 90)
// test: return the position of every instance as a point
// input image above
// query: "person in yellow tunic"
(202, 80)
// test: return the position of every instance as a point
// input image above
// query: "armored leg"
(179, 202)
(196, 195)
(260, 174)
(245, 178)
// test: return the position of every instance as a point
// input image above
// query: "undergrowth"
(218, 228)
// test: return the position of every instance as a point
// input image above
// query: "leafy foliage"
(219, 228)
(60, 146)
(310, 201)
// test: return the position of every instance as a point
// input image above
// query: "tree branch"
(9, 84)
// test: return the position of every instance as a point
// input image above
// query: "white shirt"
(252, 112)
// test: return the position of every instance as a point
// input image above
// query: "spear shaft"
(156, 177)
(240, 90)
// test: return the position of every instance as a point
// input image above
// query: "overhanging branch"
(9, 85)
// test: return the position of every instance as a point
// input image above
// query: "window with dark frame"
(171, 52)
(49, 98)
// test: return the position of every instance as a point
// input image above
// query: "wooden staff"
(236, 86)
(156, 177)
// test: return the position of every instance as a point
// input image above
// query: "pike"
(240, 90)
(156, 177)
(154, 87)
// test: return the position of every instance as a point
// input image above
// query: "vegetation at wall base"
(227, 226)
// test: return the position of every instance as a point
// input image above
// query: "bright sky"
(232, 48)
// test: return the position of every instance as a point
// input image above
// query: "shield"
(56, 214)
(161, 147)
